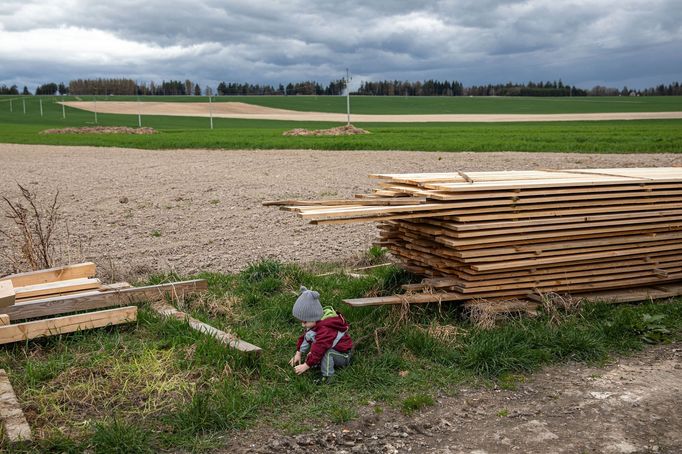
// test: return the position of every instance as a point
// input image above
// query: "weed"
(117, 436)
(340, 414)
(214, 201)
(155, 234)
(416, 403)
(33, 240)
(503, 413)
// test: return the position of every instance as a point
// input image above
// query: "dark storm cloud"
(476, 41)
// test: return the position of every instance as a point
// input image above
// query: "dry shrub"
(557, 307)
(484, 314)
(447, 334)
(32, 234)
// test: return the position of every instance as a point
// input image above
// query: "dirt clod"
(348, 130)
(100, 130)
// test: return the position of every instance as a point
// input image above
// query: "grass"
(401, 105)
(157, 385)
(185, 132)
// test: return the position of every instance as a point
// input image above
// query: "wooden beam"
(420, 298)
(14, 422)
(56, 288)
(4, 319)
(68, 324)
(99, 300)
(7, 294)
(61, 273)
(226, 338)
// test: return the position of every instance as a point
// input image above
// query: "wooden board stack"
(73, 288)
(505, 235)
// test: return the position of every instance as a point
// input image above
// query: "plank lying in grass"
(14, 422)
(7, 294)
(100, 300)
(228, 339)
(406, 299)
(68, 324)
(81, 270)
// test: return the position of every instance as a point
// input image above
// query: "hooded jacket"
(325, 333)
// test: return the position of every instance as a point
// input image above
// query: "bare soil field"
(136, 212)
(253, 112)
(629, 406)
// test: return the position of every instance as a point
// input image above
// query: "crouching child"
(325, 341)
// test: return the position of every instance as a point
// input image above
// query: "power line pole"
(348, 95)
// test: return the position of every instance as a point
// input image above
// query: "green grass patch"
(641, 136)
(417, 402)
(158, 385)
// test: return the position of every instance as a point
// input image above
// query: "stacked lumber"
(73, 288)
(505, 235)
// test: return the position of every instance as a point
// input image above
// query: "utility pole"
(348, 94)
(139, 114)
(210, 109)
(41, 106)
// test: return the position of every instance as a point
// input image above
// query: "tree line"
(336, 87)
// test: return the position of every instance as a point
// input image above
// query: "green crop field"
(187, 132)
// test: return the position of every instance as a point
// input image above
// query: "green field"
(186, 132)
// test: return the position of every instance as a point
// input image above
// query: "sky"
(613, 43)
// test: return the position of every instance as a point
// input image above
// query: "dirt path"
(254, 112)
(630, 406)
(141, 211)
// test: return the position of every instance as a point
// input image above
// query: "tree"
(197, 90)
(25, 92)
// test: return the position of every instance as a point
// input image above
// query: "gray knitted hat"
(307, 307)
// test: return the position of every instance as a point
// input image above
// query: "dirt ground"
(136, 212)
(631, 405)
(250, 111)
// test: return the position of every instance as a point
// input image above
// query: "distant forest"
(336, 87)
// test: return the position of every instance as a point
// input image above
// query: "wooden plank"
(7, 294)
(14, 422)
(226, 338)
(4, 319)
(61, 325)
(419, 298)
(99, 300)
(56, 288)
(81, 270)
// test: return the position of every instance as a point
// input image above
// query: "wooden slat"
(226, 338)
(7, 294)
(4, 319)
(81, 270)
(54, 326)
(14, 422)
(99, 300)
(56, 288)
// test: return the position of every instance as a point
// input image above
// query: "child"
(325, 340)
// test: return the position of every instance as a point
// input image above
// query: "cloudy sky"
(584, 42)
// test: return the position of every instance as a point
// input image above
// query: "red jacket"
(325, 333)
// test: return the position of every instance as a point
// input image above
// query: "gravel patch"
(135, 212)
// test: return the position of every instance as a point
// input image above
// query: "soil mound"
(100, 130)
(348, 130)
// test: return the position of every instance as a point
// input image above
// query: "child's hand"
(296, 359)
(301, 368)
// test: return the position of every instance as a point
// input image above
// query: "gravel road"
(135, 212)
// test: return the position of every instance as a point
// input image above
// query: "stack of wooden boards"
(509, 234)
(69, 289)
